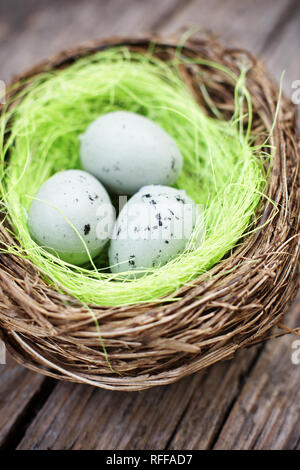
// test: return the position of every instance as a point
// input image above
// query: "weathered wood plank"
(80, 417)
(52, 26)
(246, 23)
(266, 415)
(18, 388)
(269, 29)
(207, 407)
(282, 51)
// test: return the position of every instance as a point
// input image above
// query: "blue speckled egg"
(152, 228)
(126, 151)
(71, 207)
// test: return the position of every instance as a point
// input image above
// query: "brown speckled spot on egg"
(158, 216)
(87, 229)
(180, 199)
(131, 261)
(173, 163)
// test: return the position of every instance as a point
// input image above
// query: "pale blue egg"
(152, 228)
(126, 151)
(72, 216)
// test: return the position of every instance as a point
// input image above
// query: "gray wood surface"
(249, 402)
(18, 389)
(266, 414)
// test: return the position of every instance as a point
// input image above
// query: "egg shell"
(152, 228)
(126, 151)
(71, 197)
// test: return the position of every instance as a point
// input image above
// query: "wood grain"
(51, 26)
(282, 51)
(80, 417)
(246, 23)
(266, 414)
(251, 401)
(18, 388)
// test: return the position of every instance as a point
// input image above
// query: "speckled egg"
(152, 228)
(126, 151)
(70, 207)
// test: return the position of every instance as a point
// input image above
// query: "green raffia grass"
(221, 169)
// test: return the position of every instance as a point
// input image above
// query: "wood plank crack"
(281, 24)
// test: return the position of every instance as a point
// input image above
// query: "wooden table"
(251, 402)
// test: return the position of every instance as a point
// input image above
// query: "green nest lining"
(222, 169)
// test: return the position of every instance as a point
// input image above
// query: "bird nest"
(232, 305)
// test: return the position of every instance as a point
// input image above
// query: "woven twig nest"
(243, 297)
